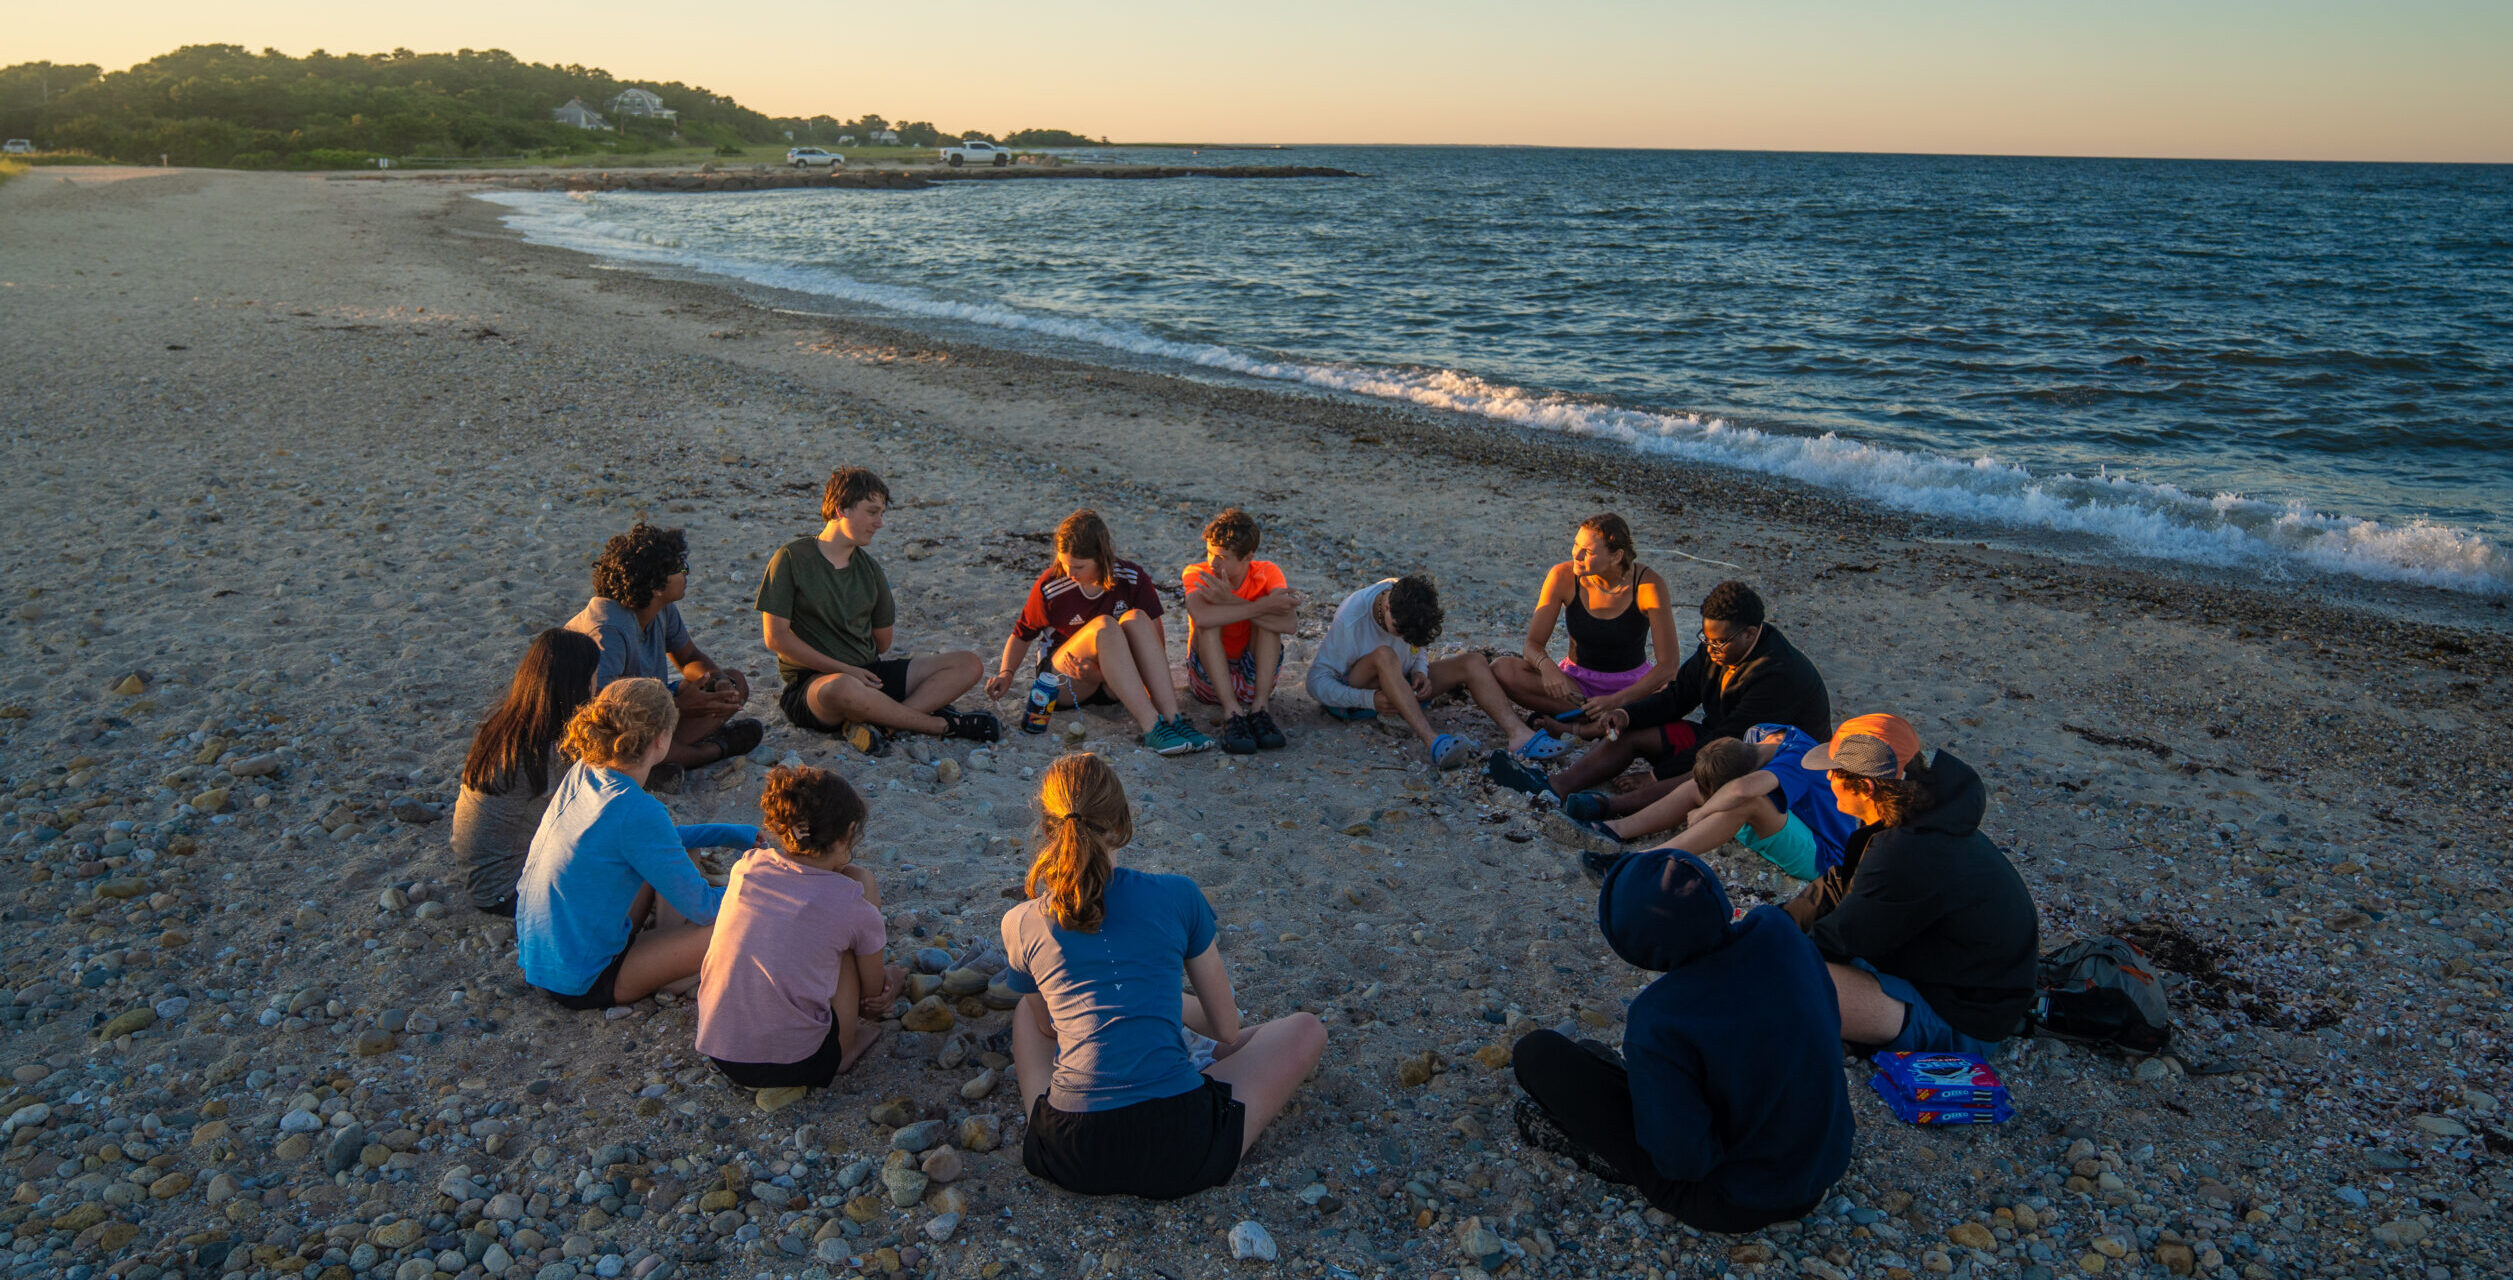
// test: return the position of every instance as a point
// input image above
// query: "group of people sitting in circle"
(1726, 1105)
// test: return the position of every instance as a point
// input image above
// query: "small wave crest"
(2229, 531)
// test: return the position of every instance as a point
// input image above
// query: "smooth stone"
(941, 1226)
(341, 1153)
(1252, 1242)
(917, 1137)
(929, 1015)
(905, 1185)
(139, 1019)
(980, 1133)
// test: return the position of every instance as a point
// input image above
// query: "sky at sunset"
(2406, 80)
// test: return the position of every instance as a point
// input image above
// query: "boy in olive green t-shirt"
(826, 609)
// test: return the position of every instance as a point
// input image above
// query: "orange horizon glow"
(2301, 81)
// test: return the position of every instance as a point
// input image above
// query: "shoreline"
(303, 463)
(2483, 623)
(2266, 562)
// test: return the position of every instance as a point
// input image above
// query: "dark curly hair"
(1413, 606)
(810, 811)
(1733, 601)
(636, 564)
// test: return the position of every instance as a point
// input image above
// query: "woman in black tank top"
(1617, 613)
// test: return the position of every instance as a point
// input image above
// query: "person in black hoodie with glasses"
(1727, 1108)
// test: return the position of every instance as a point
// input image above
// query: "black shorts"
(814, 1072)
(604, 991)
(1159, 1150)
(795, 702)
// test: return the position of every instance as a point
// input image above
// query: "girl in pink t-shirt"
(794, 987)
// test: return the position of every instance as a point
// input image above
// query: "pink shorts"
(1597, 684)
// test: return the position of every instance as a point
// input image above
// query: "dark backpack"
(2104, 991)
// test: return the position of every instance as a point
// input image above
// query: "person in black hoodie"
(1744, 673)
(1930, 934)
(1728, 1107)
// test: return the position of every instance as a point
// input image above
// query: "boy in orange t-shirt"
(1238, 611)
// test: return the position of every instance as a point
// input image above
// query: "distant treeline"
(222, 105)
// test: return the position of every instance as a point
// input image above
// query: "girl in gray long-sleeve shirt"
(507, 776)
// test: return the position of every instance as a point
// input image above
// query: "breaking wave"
(2227, 531)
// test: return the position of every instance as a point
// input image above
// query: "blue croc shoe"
(1544, 746)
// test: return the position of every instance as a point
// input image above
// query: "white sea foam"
(2157, 520)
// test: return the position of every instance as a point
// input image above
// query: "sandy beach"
(294, 467)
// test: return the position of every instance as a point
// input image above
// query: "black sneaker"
(1269, 735)
(973, 726)
(1516, 774)
(1597, 865)
(1239, 737)
(738, 737)
(1540, 1131)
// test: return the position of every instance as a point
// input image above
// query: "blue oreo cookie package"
(1941, 1088)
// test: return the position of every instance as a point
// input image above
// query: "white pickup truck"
(972, 151)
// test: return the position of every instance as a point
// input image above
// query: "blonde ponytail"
(1083, 818)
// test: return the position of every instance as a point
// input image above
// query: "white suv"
(806, 157)
(17, 147)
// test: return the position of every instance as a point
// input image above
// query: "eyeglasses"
(1735, 641)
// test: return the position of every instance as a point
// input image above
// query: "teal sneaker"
(1162, 738)
(1189, 734)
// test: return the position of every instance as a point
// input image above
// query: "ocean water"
(2282, 369)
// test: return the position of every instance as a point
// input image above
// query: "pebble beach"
(294, 467)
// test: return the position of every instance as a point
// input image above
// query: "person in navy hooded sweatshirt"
(1728, 1108)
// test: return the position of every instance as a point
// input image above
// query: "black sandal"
(971, 726)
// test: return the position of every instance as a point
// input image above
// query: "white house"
(885, 137)
(642, 102)
(579, 115)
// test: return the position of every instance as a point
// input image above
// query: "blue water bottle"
(1043, 694)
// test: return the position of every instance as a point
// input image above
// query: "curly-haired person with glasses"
(638, 583)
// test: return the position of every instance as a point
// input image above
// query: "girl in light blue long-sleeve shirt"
(611, 908)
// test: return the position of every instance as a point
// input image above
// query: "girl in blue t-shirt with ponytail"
(1109, 1071)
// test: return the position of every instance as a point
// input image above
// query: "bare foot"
(866, 1032)
(680, 988)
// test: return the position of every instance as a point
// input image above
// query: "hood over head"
(1663, 909)
(1961, 798)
